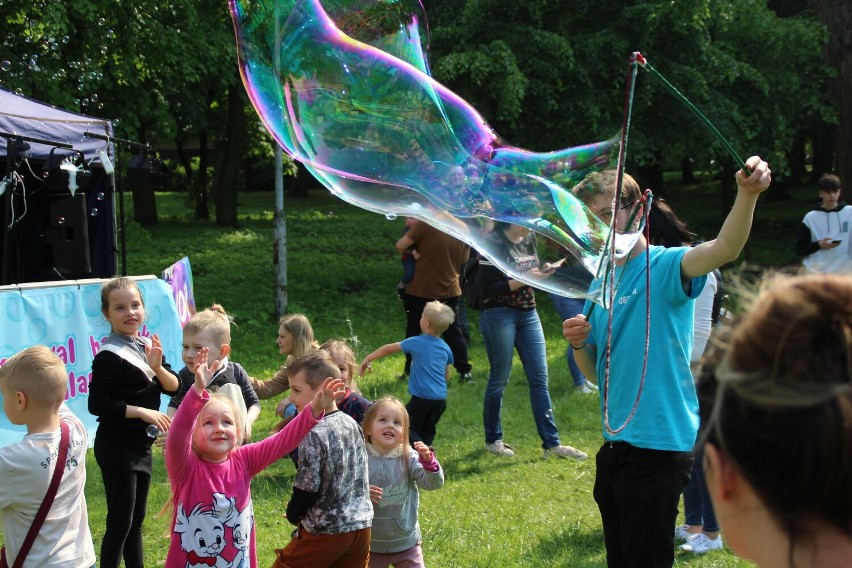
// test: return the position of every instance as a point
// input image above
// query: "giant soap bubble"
(344, 87)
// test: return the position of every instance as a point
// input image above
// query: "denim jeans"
(503, 330)
(696, 498)
(568, 308)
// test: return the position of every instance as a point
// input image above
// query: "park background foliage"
(546, 74)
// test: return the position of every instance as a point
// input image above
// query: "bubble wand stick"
(643, 62)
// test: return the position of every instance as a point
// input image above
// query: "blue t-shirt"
(666, 417)
(430, 356)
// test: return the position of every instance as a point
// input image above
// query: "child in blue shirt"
(431, 360)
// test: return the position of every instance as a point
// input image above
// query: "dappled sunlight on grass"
(238, 238)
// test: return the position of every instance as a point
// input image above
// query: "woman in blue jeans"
(568, 308)
(508, 321)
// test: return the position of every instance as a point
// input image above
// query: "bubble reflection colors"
(368, 121)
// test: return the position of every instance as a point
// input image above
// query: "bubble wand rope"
(616, 207)
(609, 246)
(647, 199)
(640, 60)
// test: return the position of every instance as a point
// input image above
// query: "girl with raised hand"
(211, 473)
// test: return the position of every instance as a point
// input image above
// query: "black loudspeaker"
(68, 235)
(51, 235)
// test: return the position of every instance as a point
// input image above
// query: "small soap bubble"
(6, 65)
(101, 21)
(390, 216)
(94, 212)
(84, 102)
(101, 196)
(152, 430)
(94, 97)
(65, 39)
(110, 34)
(19, 91)
(60, 221)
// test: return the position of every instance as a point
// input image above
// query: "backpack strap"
(41, 515)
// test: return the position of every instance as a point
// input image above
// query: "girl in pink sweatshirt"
(210, 473)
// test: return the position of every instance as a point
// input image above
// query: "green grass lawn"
(342, 271)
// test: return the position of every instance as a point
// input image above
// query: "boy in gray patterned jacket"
(331, 497)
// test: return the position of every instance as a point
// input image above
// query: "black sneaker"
(466, 378)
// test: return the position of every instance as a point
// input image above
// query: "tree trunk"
(304, 180)
(837, 16)
(650, 175)
(823, 158)
(185, 161)
(796, 159)
(144, 200)
(229, 164)
(142, 184)
(727, 183)
(199, 188)
(687, 174)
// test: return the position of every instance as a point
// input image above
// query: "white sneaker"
(565, 452)
(699, 543)
(682, 533)
(499, 448)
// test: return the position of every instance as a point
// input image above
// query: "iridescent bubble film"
(344, 87)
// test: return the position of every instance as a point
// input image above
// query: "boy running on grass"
(431, 359)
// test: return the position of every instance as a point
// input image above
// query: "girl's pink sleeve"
(260, 455)
(179, 439)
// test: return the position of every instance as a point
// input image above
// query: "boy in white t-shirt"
(33, 385)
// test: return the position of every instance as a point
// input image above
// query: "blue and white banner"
(67, 318)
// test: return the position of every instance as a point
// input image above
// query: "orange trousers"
(306, 550)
